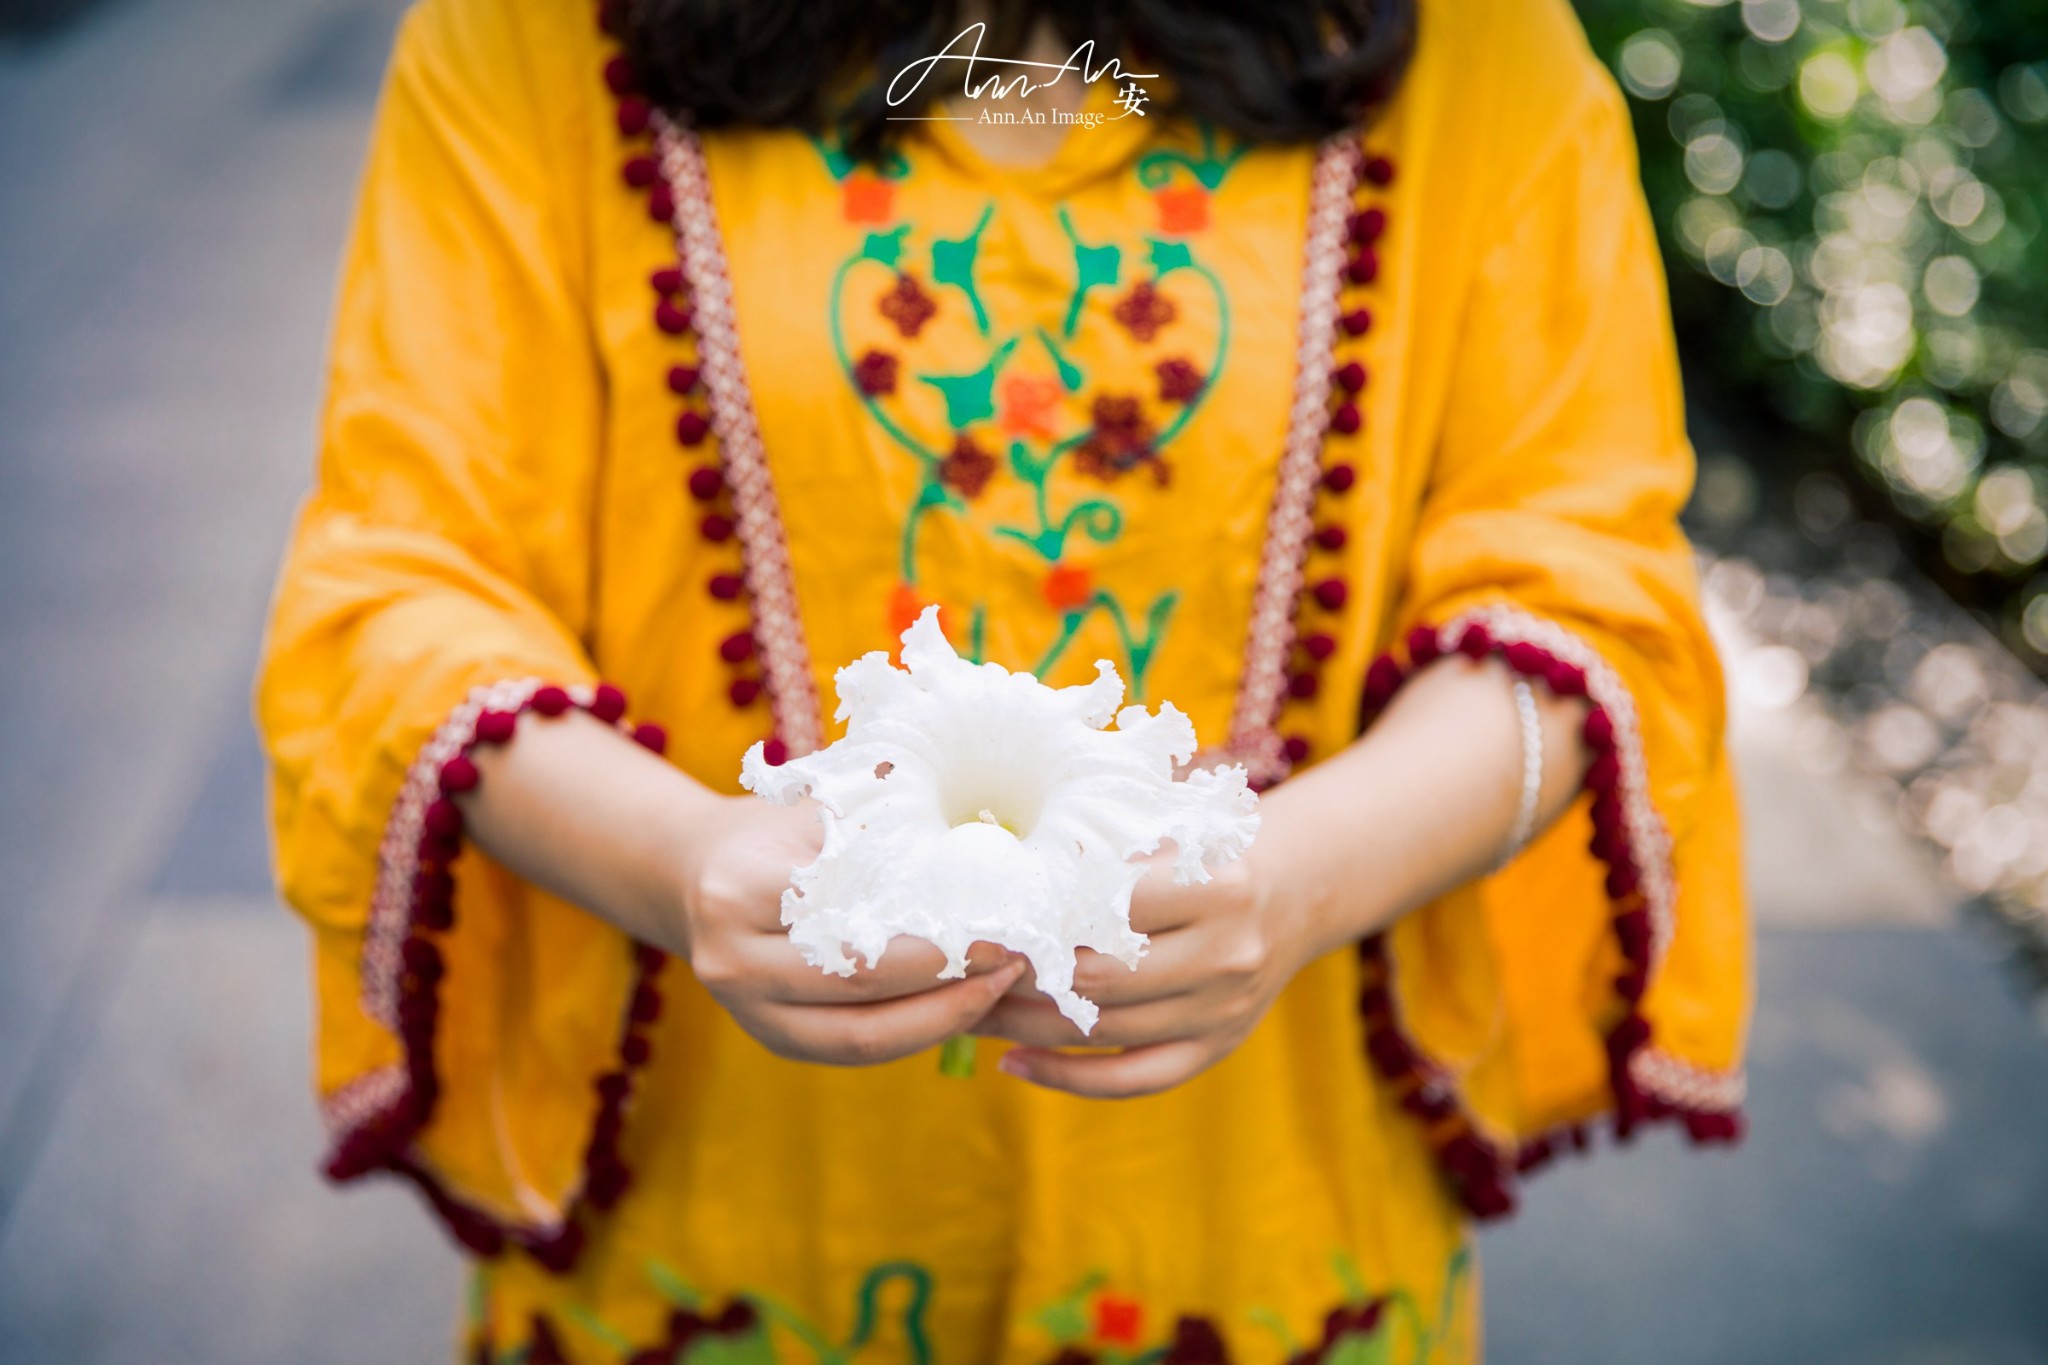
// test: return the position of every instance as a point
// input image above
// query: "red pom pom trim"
(608, 704)
(383, 1139)
(671, 318)
(634, 115)
(1481, 1171)
(458, 774)
(619, 76)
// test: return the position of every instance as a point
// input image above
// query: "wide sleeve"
(434, 598)
(1604, 970)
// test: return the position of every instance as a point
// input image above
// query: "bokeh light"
(1866, 181)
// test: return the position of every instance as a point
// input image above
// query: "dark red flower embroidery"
(875, 372)
(967, 468)
(1121, 441)
(1179, 380)
(1352, 1320)
(1196, 1342)
(1145, 310)
(907, 305)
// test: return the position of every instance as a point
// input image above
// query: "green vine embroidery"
(1208, 169)
(1119, 436)
(741, 1333)
(1091, 1324)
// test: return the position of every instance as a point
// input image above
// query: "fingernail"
(1011, 1065)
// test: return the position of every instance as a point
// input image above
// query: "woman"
(1323, 385)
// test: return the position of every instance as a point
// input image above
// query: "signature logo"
(997, 80)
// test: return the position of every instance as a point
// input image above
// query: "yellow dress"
(621, 412)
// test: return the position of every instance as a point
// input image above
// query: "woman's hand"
(737, 859)
(580, 810)
(1420, 805)
(1220, 953)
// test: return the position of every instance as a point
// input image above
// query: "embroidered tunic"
(621, 412)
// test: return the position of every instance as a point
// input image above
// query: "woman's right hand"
(735, 863)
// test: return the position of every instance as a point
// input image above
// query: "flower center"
(1012, 806)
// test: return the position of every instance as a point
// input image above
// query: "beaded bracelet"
(1532, 771)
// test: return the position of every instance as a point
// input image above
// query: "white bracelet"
(1532, 770)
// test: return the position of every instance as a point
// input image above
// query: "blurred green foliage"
(1852, 197)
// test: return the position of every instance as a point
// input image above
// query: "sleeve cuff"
(375, 1122)
(1632, 841)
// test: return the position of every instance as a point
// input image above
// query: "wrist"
(685, 829)
(1326, 870)
(1300, 910)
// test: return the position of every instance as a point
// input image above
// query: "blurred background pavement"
(178, 174)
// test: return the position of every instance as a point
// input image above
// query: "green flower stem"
(799, 1327)
(956, 1056)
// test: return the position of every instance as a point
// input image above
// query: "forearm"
(1424, 802)
(583, 813)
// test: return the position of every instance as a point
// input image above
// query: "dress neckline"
(1084, 154)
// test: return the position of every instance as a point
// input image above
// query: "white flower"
(967, 803)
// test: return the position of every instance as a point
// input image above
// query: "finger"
(1175, 963)
(1038, 1023)
(1110, 1075)
(1033, 1021)
(1158, 903)
(869, 1034)
(909, 966)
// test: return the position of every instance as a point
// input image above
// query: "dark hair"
(1272, 71)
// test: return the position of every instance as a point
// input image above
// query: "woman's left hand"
(1220, 953)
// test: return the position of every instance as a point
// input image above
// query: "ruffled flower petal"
(967, 803)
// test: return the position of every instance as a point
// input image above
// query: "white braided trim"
(764, 548)
(1269, 637)
(367, 1097)
(1655, 1073)
(398, 856)
(1685, 1085)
